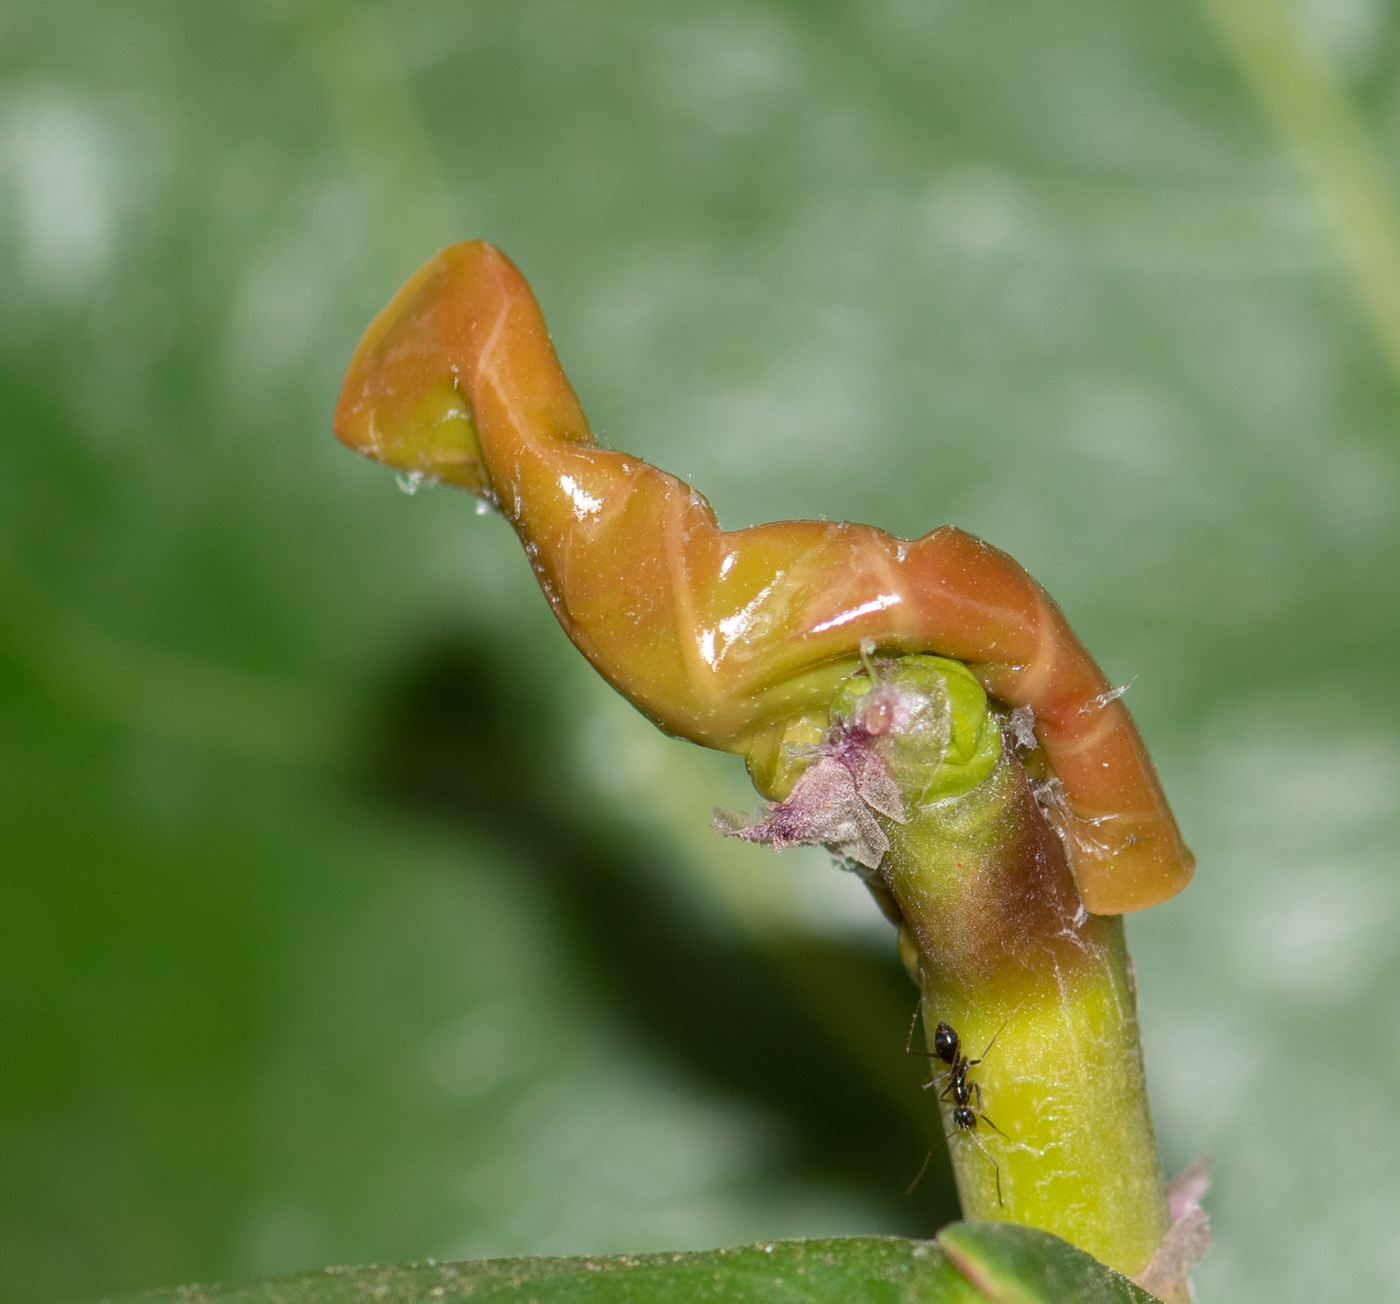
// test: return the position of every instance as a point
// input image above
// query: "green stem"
(994, 934)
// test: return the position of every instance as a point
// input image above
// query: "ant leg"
(990, 1044)
(909, 1043)
(909, 1040)
(919, 1176)
(995, 1035)
(927, 1054)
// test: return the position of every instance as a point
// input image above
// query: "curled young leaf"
(736, 640)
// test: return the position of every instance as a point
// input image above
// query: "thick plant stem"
(1064, 1084)
(1037, 989)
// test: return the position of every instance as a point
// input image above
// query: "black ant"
(947, 1047)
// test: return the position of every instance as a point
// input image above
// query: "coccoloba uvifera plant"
(919, 706)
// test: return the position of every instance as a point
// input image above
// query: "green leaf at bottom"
(881, 1270)
(1011, 1264)
(977, 1263)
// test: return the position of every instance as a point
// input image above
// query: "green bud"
(946, 741)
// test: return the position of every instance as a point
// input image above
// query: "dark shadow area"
(807, 1031)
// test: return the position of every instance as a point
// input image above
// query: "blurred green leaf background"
(345, 917)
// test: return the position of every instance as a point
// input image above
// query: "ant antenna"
(919, 1176)
(986, 1154)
